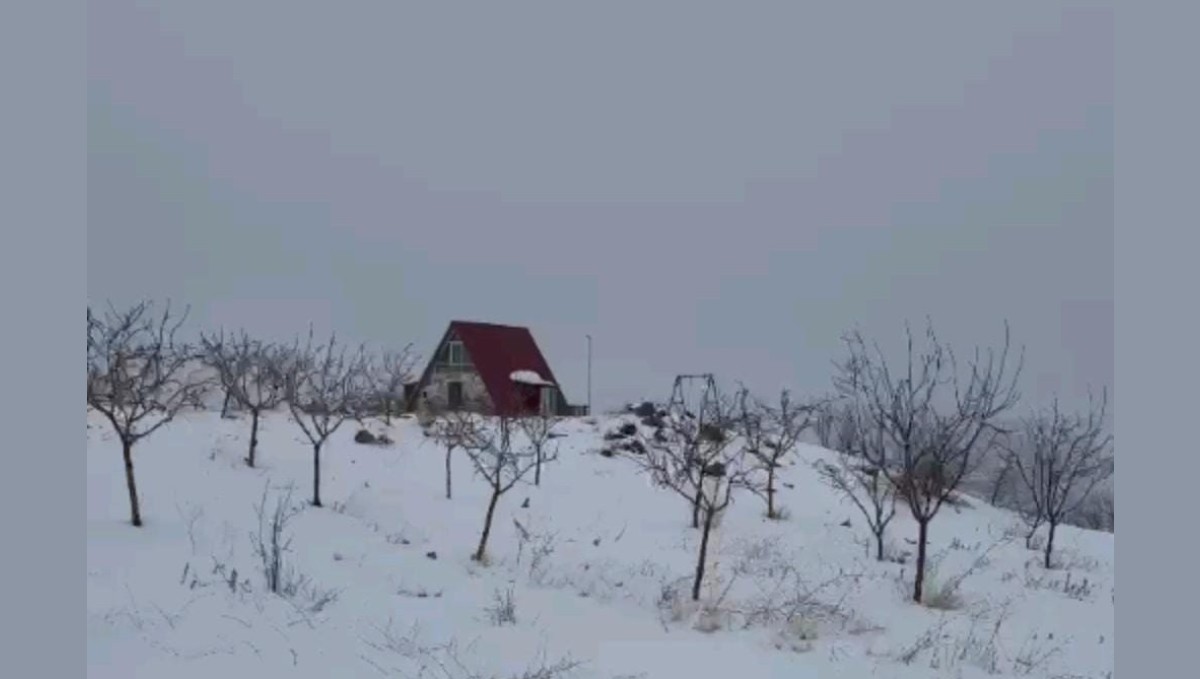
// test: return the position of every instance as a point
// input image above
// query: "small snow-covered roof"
(529, 377)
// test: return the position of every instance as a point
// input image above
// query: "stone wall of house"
(437, 391)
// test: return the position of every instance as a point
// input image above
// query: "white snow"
(603, 546)
(530, 377)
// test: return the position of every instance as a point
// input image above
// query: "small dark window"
(454, 394)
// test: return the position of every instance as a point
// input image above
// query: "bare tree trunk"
(449, 451)
(922, 543)
(253, 436)
(699, 580)
(134, 507)
(696, 510)
(316, 475)
(387, 411)
(537, 470)
(225, 404)
(771, 493)
(1032, 532)
(879, 545)
(998, 485)
(487, 526)
(1050, 543)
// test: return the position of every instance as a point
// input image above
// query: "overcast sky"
(700, 186)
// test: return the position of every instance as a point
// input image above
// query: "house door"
(549, 406)
(454, 395)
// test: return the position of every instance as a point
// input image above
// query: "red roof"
(497, 351)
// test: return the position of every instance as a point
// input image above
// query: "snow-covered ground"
(590, 579)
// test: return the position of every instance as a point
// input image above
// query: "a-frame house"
(489, 368)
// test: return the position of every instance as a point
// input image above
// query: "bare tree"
(500, 463)
(138, 376)
(695, 457)
(538, 428)
(832, 419)
(211, 356)
(393, 371)
(252, 372)
(685, 438)
(1098, 512)
(770, 434)
(936, 424)
(825, 423)
(1001, 483)
(856, 478)
(1066, 457)
(454, 430)
(325, 387)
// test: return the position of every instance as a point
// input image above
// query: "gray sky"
(699, 185)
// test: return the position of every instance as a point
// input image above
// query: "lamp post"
(589, 374)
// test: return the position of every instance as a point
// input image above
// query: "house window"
(453, 358)
(455, 353)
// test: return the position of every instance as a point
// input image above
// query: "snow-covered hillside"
(580, 574)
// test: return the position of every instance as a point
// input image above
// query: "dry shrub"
(503, 610)
(787, 600)
(978, 646)
(797, 635)
(406, 655)
(1080, 589)
(939, 595)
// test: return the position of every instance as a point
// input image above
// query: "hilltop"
(584, 572)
